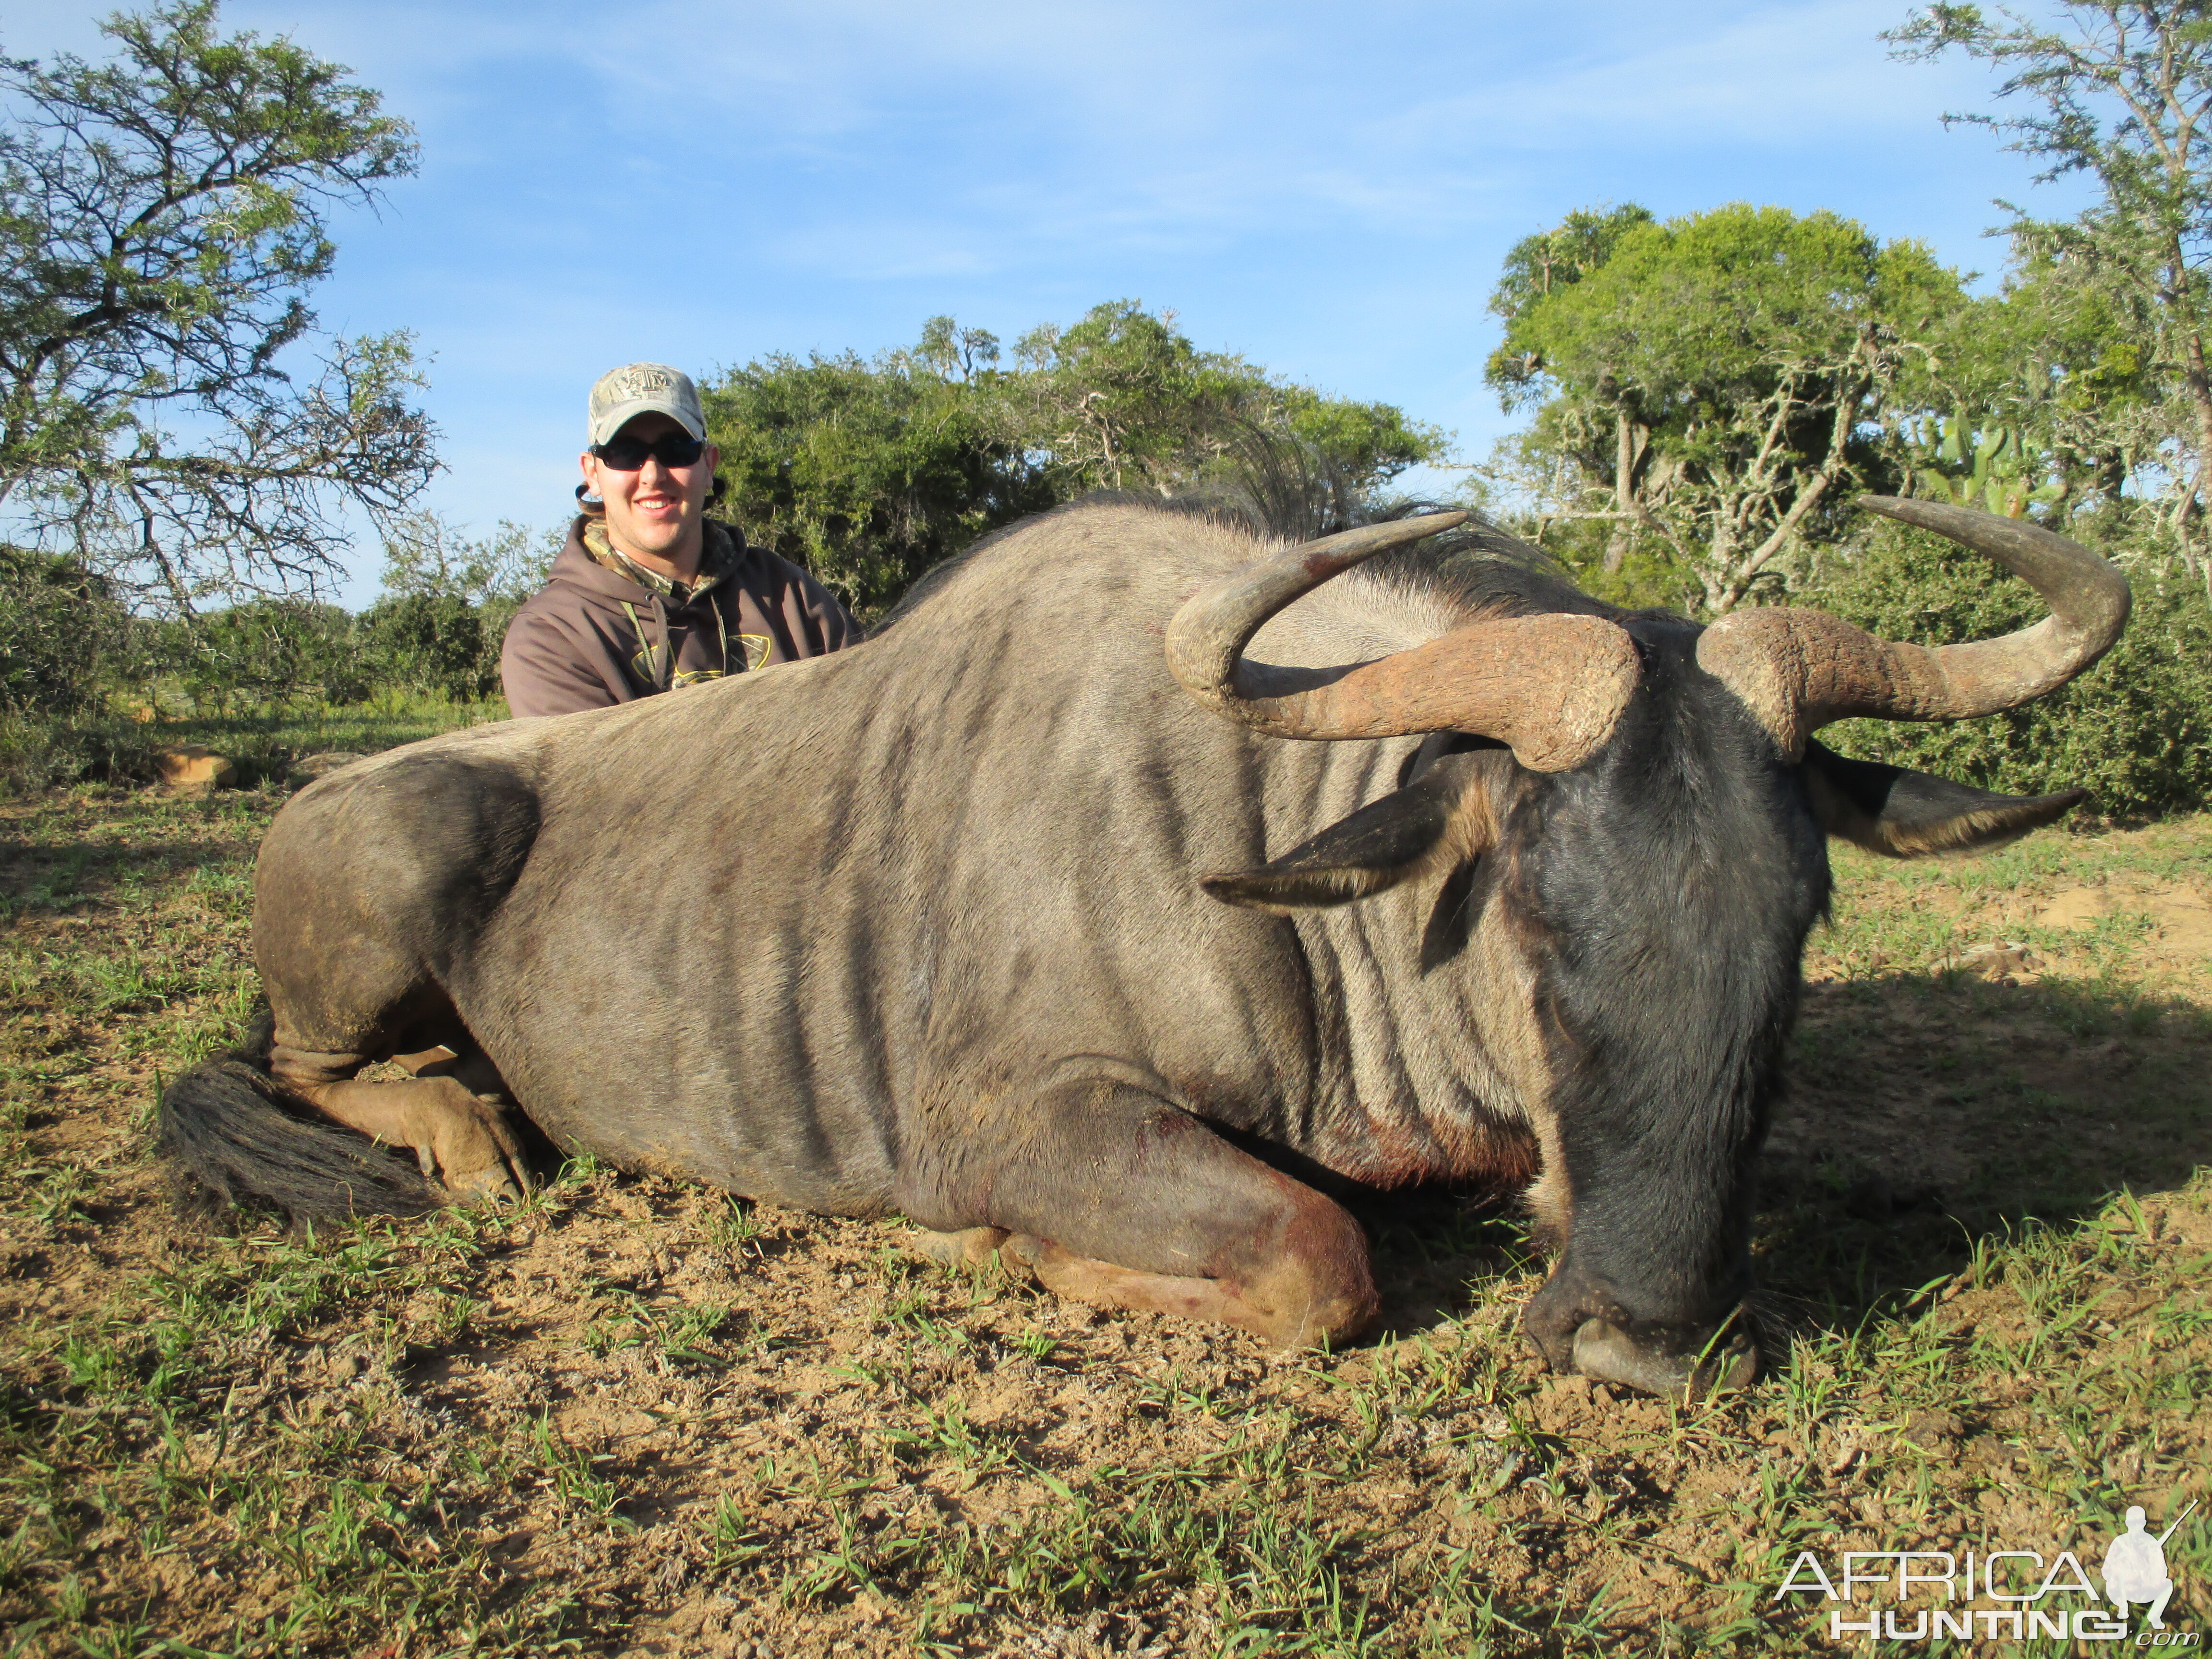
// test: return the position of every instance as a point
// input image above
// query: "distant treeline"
(70, 646)
(1698, 493)
(869, 470)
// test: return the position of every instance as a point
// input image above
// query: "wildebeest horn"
(1550, 688)
(1799, 670)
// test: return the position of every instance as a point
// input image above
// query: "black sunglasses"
(627, 455)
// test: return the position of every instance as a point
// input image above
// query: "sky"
(1327, 190)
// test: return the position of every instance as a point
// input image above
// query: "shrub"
(431, 643)
(266, 650)
(2136, 731)
(61, 628)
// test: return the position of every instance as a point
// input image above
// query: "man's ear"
(1907, 815)
(1439, 821)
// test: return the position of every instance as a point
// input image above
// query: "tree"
(61, 632)
(2125, 97)
(162, 220)
(1534, 267)
(271, 650)
(1550, 259)
(431, 643)
(869, 472)
(1122, 400)
(424, 554)
(1712, 380)
(2037, 396)
(446, 602)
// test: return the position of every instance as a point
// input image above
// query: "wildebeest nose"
(1608, 1352)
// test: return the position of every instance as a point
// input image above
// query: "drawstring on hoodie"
(660, 661)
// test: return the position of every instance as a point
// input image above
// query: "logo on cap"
(638, 381)
(634, 389)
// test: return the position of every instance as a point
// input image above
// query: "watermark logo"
(2134, 1567)
(2035, 1599)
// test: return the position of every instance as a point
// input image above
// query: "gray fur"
(918, 927)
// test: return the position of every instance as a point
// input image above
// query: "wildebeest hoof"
(1610, 1354)
(969, 1246)
(463, 1142)
(491, 1185)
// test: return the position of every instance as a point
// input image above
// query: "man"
(650, 594)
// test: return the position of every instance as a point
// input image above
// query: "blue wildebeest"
(1137, 883)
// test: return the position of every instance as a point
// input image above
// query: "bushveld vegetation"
(1705, 396)
(627, 1416)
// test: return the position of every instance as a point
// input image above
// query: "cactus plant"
(1992, 466)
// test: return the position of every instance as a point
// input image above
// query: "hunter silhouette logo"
(2134, 1567)
(2033, 1599)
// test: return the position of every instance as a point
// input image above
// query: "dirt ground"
(635, 1417)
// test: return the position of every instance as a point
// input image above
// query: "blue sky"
(1327, 190)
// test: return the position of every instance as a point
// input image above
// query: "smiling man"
(650, 594)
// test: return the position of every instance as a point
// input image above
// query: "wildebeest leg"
(458, 1137)
(1118, 1197)
(1287, 1323)
(1082, 1279)
(471, 1068)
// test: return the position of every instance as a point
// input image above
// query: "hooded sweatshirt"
(604, 631)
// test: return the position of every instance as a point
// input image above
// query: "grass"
(630, 1416)
(37, 752)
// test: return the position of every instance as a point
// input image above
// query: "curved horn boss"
(1799, 670)
(1550, 688)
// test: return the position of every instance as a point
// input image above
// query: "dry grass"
(633, 1417)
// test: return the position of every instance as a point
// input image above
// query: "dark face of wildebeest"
(1634, 817)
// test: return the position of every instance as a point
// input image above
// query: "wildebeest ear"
(1905, 815)
(1439, 820)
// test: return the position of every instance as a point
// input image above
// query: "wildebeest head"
(1637, 803)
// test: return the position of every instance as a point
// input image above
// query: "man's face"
(654, 509)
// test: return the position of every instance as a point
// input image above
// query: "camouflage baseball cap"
(634, 389)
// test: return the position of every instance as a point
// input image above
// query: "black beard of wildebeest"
(1135, 843)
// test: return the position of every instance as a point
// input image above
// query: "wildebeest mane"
(1279, 490)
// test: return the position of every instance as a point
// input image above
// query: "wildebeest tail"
(232, 1132)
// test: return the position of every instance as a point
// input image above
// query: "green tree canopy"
(1536, 266)
(1710, 379)
(869, 472)
(162, 217)
(2040, 396)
